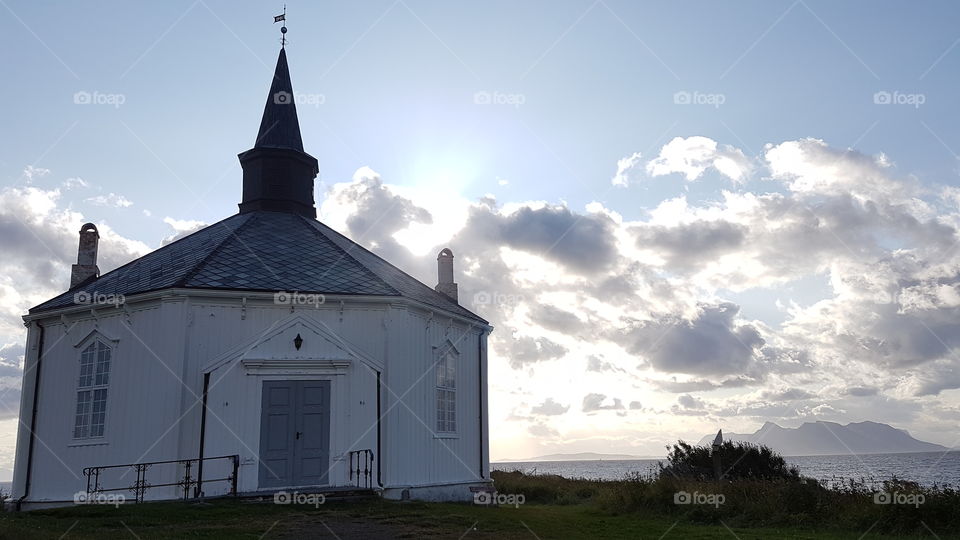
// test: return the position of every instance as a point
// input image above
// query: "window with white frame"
(447, 393)
(92, 391)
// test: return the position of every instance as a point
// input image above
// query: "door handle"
(299, 433)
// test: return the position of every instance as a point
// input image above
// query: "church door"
(295, 433)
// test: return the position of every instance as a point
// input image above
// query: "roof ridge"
(346, 253)
(196, 268)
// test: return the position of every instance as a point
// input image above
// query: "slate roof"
(263, 251)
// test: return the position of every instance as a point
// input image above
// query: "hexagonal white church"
(262, 353)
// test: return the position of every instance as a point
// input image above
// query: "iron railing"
(361, 467)
(141, 485)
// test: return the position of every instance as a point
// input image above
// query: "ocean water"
(927, 468)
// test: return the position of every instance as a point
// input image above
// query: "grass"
(798, 505)
(381, 519)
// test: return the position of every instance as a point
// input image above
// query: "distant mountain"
(582, 456)
(831, 438)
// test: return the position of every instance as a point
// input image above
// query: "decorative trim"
(279, 327)
(445, 347)
(96, 332)
(266, 366)
(266, 297)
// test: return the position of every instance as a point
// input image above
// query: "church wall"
(416, 454)
(154, 406)
(235, 396)
(142, 406)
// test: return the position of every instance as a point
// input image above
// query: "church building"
(264, 353)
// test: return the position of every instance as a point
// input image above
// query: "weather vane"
(283, 29)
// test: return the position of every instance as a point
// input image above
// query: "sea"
(925, 468)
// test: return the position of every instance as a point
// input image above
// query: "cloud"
(525, 350)
(11, 373)
(712, 343)
(812, 167)
(542, 431)
(181, 228)
(30, 173)
(111, 199)
(861, 391)
(75, 183)
(691, 244)
(550, 408)
(856, 262)
(38, 240)
(583, 243)
(597, 364)
(595, 402)
(692, 156)
(625, 168)
(786, 394)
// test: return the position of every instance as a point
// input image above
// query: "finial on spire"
(283, 29)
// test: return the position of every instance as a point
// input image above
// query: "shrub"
(738, 460)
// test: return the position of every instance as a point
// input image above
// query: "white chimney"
(86, 266)
(445, 283)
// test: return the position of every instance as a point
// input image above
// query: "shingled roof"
(263, 251)
(274, 243)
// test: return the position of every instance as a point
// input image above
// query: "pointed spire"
(277, 174)
(280, 127)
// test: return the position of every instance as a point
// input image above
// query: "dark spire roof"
(279, 127)
(277, 174)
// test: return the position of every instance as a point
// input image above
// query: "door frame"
(296, 381)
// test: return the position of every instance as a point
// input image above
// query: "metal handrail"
(364, 467)
(140, 485)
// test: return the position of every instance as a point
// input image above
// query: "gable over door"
(294, 433)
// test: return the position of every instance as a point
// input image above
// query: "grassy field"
(377, 519)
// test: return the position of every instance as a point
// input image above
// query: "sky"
(678, 216)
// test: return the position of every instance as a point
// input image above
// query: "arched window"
(92, 385)
(447, 393)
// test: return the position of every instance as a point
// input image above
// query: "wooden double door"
(295, 434)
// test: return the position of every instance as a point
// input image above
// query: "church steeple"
(277, 174)
(279, 127)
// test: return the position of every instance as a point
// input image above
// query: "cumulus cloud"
(598, 402)
(181, 228)
(712, 343)
(549, 407)
(692, 156)
(39, 241)
(525, 350)
(625, 169)
(644, 302)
